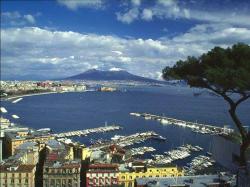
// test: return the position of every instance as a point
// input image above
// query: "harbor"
(125, 141)
(194, 126)
(87, 131)
(178, 153)
(198, 163)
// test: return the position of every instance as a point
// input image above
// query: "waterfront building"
(17, 175)
(29, 152)
(15, 139)
(63, 173)
(102, 175)
(129, 173)
(60, 169)
(221, 180)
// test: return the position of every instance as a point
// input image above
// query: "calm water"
(72, 111)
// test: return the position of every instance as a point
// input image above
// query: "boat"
(3, 110)
(164, 121)
(15, 116)
(44, 130)
(17, 100)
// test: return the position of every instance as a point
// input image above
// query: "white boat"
(17, 100)
(3, 110)
(164, 121)
(15, 116)
(44, 130)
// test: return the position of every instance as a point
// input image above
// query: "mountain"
(99, 75)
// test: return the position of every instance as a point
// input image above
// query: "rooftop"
(17, 168)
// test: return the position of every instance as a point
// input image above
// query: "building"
(102, 175)
(17, 175)
(63, 173)
(7, 126)
(221, 180)
(60, 167)
(15, 139)
(29, 151)
(129, 173)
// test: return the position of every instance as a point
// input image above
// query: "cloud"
(147, 14)
(115, 69)
(30, 18)
(174, 9)
(16, 19)
(76, 4)
(129, 16)
(52, 53)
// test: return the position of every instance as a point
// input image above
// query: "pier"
(195, 127)
(124, 141)
(87, 131)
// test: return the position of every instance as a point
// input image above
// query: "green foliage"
(226, 70)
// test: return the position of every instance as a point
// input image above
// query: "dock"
(87, 132)
(124, 141)
(195, 127)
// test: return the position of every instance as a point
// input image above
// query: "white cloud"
(173, 9)
(128, 16)
(115, 69)
(41, 52)
(30, 18)
(136, 2)
(16, 19)
(117, 52)
(75, 4)
(147, 14)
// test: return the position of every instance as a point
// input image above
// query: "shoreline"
(36, 94)
(27, 95)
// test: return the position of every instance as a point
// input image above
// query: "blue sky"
(50, 39)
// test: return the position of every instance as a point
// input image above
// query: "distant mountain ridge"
(120, 75)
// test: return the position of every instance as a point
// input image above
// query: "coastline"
(27, 95)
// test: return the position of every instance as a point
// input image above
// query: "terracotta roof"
(96, 166)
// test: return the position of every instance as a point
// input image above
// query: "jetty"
(87, 132)
(194, 126)
(124, 141)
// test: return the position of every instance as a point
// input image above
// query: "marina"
(87, 131)
(195, 127)
(198, 163)
(178, 153)
(141, 150)
(125, 141)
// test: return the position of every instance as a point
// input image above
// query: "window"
(52, 182)
(12, 181)
(20, 180)
(27, 175)
(26, 181)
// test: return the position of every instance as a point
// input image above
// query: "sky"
(54, 39)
